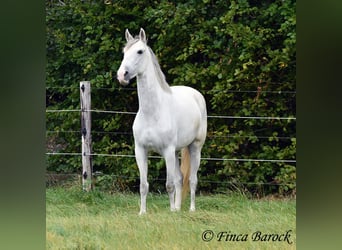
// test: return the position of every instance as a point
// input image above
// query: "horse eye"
(140, 52)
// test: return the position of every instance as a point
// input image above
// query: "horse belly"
(187, 131)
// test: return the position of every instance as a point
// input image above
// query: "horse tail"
(185, 169)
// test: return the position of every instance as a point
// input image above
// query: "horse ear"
(142, 35)
(128, 35)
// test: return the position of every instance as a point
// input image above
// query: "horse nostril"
(126, 73)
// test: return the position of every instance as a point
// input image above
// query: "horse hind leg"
(178, 184)
(195, 157)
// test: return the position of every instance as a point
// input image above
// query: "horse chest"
(153, 133)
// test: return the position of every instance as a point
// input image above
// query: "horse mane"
(159, 73)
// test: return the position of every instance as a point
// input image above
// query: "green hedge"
(239, 54)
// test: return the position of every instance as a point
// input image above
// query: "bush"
(239, 54)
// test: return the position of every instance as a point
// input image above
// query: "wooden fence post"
(86, 135)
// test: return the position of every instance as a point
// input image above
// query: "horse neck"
(150, 92)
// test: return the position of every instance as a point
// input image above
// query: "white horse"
(169, 119)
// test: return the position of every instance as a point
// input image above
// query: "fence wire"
(201, 179)
(159, 157)
(211, 116)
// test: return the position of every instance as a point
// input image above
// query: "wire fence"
(259, 90)
(53, 177)
(209, 116)
(158, 157)
(210, 135)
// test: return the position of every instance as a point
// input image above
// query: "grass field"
(97, 220)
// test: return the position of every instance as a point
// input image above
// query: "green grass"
(96, 220)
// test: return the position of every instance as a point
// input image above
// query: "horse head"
(134, 59)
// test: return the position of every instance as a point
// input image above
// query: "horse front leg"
(173, 179)
(141, 159)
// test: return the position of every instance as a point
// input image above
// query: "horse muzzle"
(123, 77)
